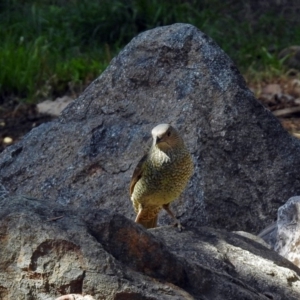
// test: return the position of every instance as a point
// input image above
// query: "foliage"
(51, 47)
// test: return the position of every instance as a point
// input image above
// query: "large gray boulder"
(48, 251)
(246, 164)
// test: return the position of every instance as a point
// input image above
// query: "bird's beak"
(158, 139)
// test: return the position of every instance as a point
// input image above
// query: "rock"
(44, 257)
(288, 229)
(245, 162)
(54, 108)
(272, 89)
(75, 297)
(7, 140)
(269, 234)
(283, 235)
(49, 251)
(253, 237)
(238, 256)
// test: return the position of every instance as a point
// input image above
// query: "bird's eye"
(168, 133)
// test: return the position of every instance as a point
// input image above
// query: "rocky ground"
(282, 97)
(65, 214)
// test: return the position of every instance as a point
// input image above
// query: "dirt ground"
(281, 97)
(16, 120)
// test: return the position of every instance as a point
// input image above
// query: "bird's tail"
(149, 223)
(147, 216)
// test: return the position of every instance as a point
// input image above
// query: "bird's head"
(166, 137)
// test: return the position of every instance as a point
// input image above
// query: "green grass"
(52, 47)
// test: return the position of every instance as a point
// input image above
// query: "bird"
(160, 176)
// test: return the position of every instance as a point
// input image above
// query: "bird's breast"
(164, 177)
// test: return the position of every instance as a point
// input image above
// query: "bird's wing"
(137, 174)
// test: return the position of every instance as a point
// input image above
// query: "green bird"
(160, 176)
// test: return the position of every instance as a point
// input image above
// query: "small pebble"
(7, 140)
